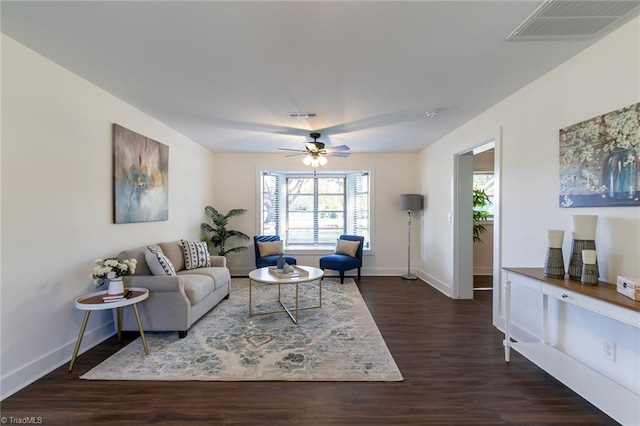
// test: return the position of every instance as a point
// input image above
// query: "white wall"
(600, 79)
(236, 186)
(57, 206)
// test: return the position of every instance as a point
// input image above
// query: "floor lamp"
(410, 202)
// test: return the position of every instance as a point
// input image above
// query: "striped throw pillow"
(196, 254)
(158, 263)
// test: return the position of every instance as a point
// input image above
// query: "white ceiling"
(226, 74)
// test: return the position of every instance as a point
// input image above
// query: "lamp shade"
(410, 202)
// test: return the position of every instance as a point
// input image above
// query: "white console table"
(617, 401)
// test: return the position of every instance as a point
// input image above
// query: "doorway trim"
(462, 243)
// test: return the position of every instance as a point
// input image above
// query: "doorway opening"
(473, 261)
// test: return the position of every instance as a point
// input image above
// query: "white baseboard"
(442, 287)
(29, 373)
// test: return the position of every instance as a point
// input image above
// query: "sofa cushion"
(139, 255)
(269, 248)
(197, 287)
(173, 250)
(220, 276)
(196, 254)
(157, 262)
(349, 248)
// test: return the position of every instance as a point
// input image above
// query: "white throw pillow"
(269, 248)
(350, 248)
(158, 263)
(196, 254)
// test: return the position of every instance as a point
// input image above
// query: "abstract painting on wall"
(599, 160)
(140, 178)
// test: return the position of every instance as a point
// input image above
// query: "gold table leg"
(250, 285)
(119, 321)
(82, 329)
(294, 310)
(144, 339)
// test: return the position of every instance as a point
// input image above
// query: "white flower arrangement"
(110, 268)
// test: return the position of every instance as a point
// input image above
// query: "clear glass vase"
(619, 174)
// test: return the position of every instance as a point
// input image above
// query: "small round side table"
(93, 302)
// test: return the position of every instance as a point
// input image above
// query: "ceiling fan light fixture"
(322, 160)
(307, 160)
(315, 163)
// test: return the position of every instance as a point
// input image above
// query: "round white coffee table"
(94, 302)
(301, 275)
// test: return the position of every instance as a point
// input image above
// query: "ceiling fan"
(315, 152)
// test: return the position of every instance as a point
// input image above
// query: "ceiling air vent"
(558, 19)
(302, 114)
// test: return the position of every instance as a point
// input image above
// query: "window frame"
(491, 213)
(349, 221)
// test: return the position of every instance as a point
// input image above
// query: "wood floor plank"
(447, 350)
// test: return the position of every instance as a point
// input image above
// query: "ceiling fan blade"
(339, 148)
(341, 154)
(294, 155)
(301, 151)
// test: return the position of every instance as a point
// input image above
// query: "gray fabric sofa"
(175, 301)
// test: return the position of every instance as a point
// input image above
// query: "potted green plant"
(216, 234)
(480, 201)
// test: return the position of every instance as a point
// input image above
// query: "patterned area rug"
(338, 342)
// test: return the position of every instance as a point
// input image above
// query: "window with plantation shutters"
(270, 203)
(311, 210)
(358, 205)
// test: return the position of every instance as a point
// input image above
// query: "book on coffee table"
(116, 297)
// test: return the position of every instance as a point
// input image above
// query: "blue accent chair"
(262, 262)
(342, 262)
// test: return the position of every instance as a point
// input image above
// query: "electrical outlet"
(609, 350)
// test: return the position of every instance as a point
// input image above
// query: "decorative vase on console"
(554, 263)
(584, 238)
(589, 268)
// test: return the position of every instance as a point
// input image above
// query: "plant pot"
(116, 286)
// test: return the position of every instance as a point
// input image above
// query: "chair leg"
(341, 277)
(358, 274)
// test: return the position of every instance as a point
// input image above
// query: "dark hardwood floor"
(447, 350)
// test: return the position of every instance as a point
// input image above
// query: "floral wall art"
(599, 160)
(140, 176)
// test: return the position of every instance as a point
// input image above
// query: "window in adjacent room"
(485, 181)
(310, 210)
